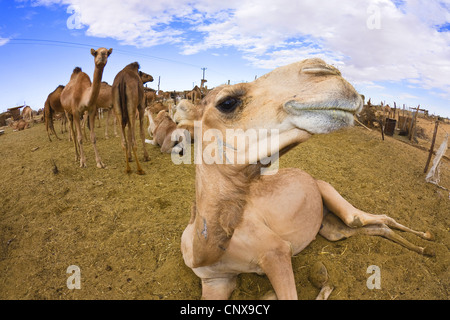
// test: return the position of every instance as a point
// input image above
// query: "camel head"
(145, 77)
(292, 102)
(101, 56)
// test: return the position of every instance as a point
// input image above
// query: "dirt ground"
(123, 231)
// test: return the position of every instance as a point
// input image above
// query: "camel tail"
(123, 102)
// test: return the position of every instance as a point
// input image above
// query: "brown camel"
(105, 103)
(53, 105)
(128, 98)
(245, 221)
(80, 95)
(194, 95)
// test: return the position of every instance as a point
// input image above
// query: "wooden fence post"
(432, 146)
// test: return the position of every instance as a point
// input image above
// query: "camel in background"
(194, 95)
(185, 113)
(27, 114)
(128, 98)
(80, 95)
(51, 106)
(105, 103)
(161, 128)
(245, 221)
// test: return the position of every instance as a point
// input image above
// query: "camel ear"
(109, 51)
(93, 52)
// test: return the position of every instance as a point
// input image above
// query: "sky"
(389, 50)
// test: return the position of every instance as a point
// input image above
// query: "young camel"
(161, 129)
(185, 113)
(128, 98)
(80, 95)
(53, 105)
(243, 221)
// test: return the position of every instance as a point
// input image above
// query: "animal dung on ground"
(55, 168)
(318, 275)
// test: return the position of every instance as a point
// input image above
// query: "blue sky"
(389, 50)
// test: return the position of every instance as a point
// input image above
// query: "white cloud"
(406, 46)
(3, 41)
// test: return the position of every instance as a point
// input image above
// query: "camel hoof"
(100, 165)
(271, 295)
(429, 236)
(140, 172)
(146, 158)
(427, 251)
(318, 275)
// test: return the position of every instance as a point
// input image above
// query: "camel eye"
(229, 105)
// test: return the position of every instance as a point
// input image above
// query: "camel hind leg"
(354, 221)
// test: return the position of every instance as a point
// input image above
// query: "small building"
(15, 112)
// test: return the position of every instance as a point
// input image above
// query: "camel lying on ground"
(161, 129)
(185, 113)
(80, 95)
(128, 98)
(20, 125)
(245, 221)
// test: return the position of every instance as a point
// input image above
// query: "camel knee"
(281, 252)
(218, 288)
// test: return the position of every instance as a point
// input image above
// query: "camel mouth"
(317, 118)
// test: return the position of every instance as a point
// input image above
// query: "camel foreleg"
(91, 117)
(142, 132)
(218, 288)
(277, 265)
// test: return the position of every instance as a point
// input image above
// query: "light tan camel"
(161, 128)
(80, 95)
(27, 114)
(53, 106)
(243, 221)
(185, 113)
(128, 98)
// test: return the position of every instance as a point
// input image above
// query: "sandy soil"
(123, 231)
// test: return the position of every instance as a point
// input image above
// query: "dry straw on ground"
(124, 231)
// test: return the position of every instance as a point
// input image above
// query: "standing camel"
(128, 98)
(245, 221)
(80, 95)
(53, 105)
(27, 114)
(105, 103)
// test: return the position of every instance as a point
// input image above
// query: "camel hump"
(77, 70)
(134, 65)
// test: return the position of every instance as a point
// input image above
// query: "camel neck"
(221, 195)
(96, 83)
